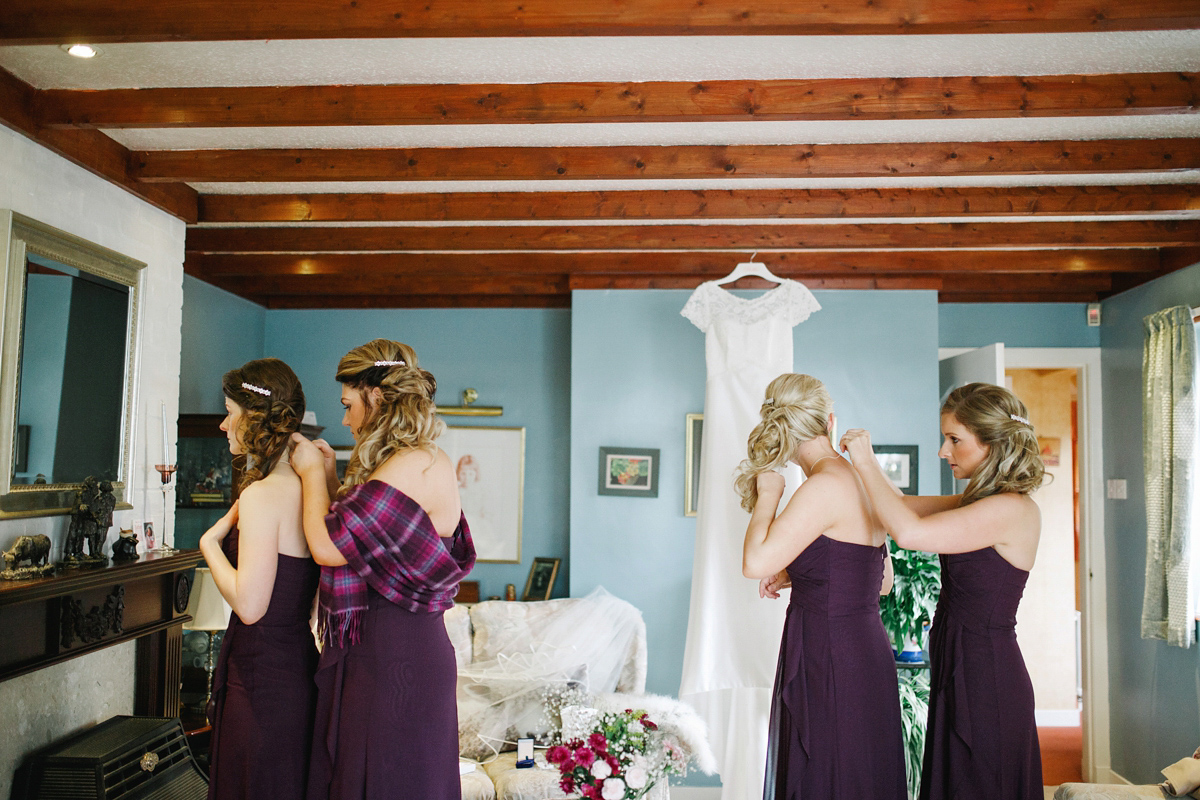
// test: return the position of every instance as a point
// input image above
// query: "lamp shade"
(207, 607)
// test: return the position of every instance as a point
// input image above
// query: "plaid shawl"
(390, 545)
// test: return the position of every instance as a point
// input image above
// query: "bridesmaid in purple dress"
(263, 692)
(392, 548)
(835, 718)
(981, 740)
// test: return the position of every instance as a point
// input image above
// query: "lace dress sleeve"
(801, 303)
(698, 309)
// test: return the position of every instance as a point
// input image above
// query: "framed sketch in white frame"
(490, 464)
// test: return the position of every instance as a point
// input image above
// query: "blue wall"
(1154, 689)
(515, 358)
(637, 368)
(220, 331)
(1015, 324)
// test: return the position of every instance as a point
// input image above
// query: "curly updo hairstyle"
(405, 415)
(268, 420)
(1001, 423)
(796, 410)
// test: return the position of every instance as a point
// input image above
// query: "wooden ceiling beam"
(215, 267)
(876, 159)
(532, 285)
(56, 21)
(91, 150)
(372, 300)
(1019, 297)
(702, 203)
(656, 101)
(1116, 233)
(478, 283)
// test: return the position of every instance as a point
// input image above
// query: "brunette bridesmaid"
(982, 739)
(263, 691)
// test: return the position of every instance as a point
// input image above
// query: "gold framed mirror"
(68, 348)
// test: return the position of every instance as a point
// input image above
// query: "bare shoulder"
(1016, 512)
(281, 486)
(415, 464)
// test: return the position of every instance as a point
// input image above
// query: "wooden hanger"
(750, 268)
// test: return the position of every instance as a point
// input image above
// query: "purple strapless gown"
(835, 717)
(264, 695)
(387, 717)
(982, 740)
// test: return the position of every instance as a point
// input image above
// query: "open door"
(984, 365)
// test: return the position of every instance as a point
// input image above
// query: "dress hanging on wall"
(733, 635)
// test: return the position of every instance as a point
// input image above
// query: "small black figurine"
(125, 547)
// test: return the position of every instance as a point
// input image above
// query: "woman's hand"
(773, 584)
(770, 484)
(223, 526)
(308, 458)
(856, 442)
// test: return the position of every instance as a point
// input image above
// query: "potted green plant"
(908, 608)
(914, 708)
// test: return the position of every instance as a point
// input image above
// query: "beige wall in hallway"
(1046, 619)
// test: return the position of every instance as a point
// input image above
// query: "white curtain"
(1169, 451)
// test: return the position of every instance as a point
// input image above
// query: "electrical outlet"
(1117, 489)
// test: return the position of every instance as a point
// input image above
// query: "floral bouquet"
(622, 759)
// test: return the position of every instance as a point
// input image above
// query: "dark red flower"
(557, 754)
(585, 757)
(598, 742)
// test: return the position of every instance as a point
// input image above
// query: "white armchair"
(511, 654)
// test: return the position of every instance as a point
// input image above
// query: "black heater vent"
(123, 758)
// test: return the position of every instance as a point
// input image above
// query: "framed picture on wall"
(490, 464)
(628, 472)
(694, 426)
(899, 462)
(540, 582)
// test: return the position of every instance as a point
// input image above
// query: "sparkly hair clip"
(770, 401)
(257, 389)
(1019, 418)
(389, 363)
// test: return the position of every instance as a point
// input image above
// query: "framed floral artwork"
(628, 472)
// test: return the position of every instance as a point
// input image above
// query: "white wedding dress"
(733, 636)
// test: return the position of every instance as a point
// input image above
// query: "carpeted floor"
(1062, 755)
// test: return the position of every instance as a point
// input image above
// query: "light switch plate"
(1117, 489)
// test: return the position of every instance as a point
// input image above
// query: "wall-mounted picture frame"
(490, 464)
(541, 578)
(1051, 450)
(694, 427)
(628, 472)
(899, 462)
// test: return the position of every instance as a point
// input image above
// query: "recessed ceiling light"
(81, 50)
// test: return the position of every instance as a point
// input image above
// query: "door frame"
(1097, 761)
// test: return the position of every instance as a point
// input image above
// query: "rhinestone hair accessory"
(250, 387)
(1019, 418)
(770, 401)
(389, 363)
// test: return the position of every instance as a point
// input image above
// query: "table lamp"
(210, 614)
